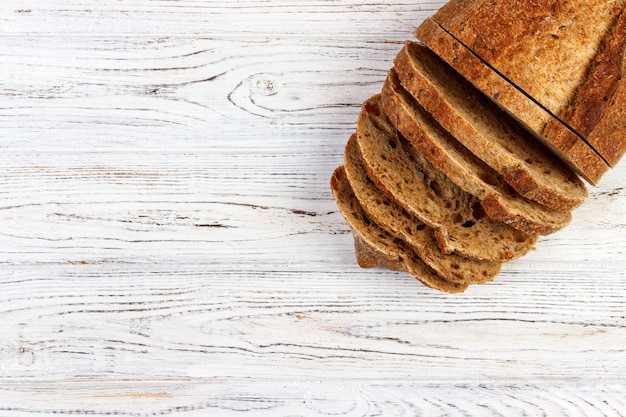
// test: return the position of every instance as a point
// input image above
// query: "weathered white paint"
(169, 245)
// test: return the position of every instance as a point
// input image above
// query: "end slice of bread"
(486, 130)
(407, 178)
(374, 246)
(499, 200)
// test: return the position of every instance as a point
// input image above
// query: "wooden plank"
(278, 324)
(115, 93)
(309, 400)
(223, 18)
(223, 207)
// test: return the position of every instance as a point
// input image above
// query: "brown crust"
(488, 27)
(464, 168)
(561, 191)
(567, 145)
(598, 111)
(545, 47)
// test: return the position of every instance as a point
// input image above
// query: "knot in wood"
(265, 86)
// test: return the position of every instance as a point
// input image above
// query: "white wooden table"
(169, 244)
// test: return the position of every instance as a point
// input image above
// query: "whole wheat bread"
(598, 108)
(544, 47)
(566, 54)
(499, 200)
(407, 178)
(374, 246)
(561, 139)
(399, 223)
(482, 127)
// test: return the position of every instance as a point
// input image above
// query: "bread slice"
(375, 247)
(499, 200)
(406, 177)
(397, 222)
(486, 130)
(563, 141)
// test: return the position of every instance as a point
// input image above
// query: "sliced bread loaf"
(376, 247)
(399, 223)
(406, 177)
(482, 127)
(499, 200)
(562, 140)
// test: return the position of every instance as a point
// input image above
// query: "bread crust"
(566, 144)
(598, 108)
(544, 47)
(486, 130)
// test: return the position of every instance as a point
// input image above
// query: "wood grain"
(213, 323)
(169, 244)
(297, 90)
(346, 399)
(224, 18)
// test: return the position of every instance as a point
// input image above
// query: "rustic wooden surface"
(169, 244)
